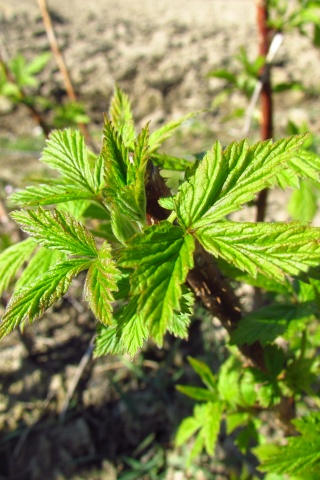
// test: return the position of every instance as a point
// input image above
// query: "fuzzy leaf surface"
(274, 249)
(12, 259)
(49, 195)
(57, 230)
(301, 456)
(67, 153)
(100, 283)
(224, 180)
(161, 258)
(30, 302)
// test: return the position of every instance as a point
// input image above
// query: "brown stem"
(61, 63)
(266, 92)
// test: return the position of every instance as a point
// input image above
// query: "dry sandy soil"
(160, 53)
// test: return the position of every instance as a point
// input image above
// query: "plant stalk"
(266, 132)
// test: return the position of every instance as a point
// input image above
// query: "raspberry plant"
(154, 253)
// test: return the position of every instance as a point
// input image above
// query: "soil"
(160, 53)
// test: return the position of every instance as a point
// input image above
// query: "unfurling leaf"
(121, 116)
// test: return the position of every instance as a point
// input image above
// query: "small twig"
(73, 385)
(60, 62)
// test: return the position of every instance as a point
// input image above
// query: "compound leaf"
(30, 302)
(224, 180)
(161, 258)
(49, 194)
(67, 153)
(301, 456)
(100, 283)
(12, 259)
(57, 230)
(274, 249)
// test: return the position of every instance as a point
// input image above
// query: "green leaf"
(204, 372)
(260, 281)
(100, 283)
(224, 180)
(301, 456)
(306, 164)
(167, 203)
(161, 258)
(38, 63)
(303, 203)
(107, 342)
(165, 132)
(236, 420)
(211, 428)
(170, 162)
(121, 116)
(197, 393)
(131, 330)
(116, 157)
(268, 323)
(56, 230)
(67, 153)
(187, 428)
(180, 321)
(273, 249)
(30, 302)
(12, 259)
(229, 381)
(40, 263)
(49, 194)
(131, 199)
(122, 227)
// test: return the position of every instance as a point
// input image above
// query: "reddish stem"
(266, 92)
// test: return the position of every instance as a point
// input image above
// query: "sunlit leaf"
(56, 230)
(30, 302)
